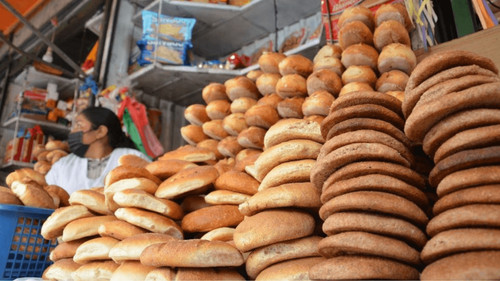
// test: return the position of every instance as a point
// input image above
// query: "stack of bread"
(452, 109)
(373, 202)
(362, 35)
(28, 187)
(48, 154)
(278, 231)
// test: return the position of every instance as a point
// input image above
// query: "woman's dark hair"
(102, 116)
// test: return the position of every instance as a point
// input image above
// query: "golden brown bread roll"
(131, 248)
(141, 199)
(214, 91)
(394, 80)
(360, 54)
(234, 123)
(32, 194)
(291, 85)
(214, 129)
(241, 86)
(91, 199)
(149, 220)
(57, 144)
(55, 223)
(315, 118)
(397, 56)
(357, 13)
(189, 153)
(42, 156)
(263, 116)
(224, 165)
(119, 229)
(60, 192)
(84, 227)
(211, 145)
(354, 87)
(291, 107)
(296, 64)
(400, 95)
(229, 146)
(95, 270)
(269, 62)
(133, 160)
(394, 11)
(54, 155)
(218, 109)
(354, 32)
(254, 74)
(94, 249)
(60, 270)
(186, 181)
(131, 270)
(66, 250)
(138, 183)
(288, 129)
(329, 57)
(389, 32)
(193, 134)
(241, 105)
(167, 168)
(226, 197)
(248, 160)
(196, 114)
(359, 73)
(194, 202)
(324, 79)
(8, 197)
(219, 234)
(25, 175)
(43, 167)
(272, 100)
(238, 182)
(210, 218)
(127, 172)
(266, 83)
(252, 137)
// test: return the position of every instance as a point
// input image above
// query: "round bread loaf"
(234, 123)
(66, 250)
(119, 229)
(269, 62)
(354, 87)
(241, 86)
(318, 103)
(241, 105)
(214, 129)
(368, 244)
(192, 253)
(266, 83)
(473, 265)
(254, 74)
(272, 226)
(357, 13)
(131, 248)
(360, 54)
(263, 116)
(186, 181)
(362, 267)
(189, 153)
(328, 50)
(193, 134)
(95, 270)
(397, 56)
(211, 145)
(394, 80)
(214, 91)
(229, 146)
(32, 194)
(271, 100)
(132, 183)
(354, 32)
(238, 182)
(291, 107)
(196, 114)
(296, 249)
(324, 79)
(288, 172)
(164, 169)
(218, 109)
(329, 62)
(94, 249)
(252, 137)
(149, 220)
(133, 161)
(359, 73)
(377, 224)
(291, 85)
(210, 218)
(131, 270)
(127, 172)
(25, 175)
(60, 270)
(389, 32)
(141, 199)
(288, 129)
(393, 11)
(84, 227)
(297, 195)
(296, 64)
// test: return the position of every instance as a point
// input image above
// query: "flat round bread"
(486, 194)
(477, 265)
(468, 178)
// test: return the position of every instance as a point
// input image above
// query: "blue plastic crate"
(24, 252)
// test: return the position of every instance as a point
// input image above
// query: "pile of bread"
(28, 187)
(46, 155)
(451, 106)
(245, 199)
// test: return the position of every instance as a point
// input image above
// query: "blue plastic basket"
(23, 250)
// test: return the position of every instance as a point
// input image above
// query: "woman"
(96, 142)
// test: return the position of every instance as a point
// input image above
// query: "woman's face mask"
(76, 145)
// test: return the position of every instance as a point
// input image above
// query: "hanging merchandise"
(148, 139)
(91, 57)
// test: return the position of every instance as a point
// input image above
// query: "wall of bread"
(357, 164)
